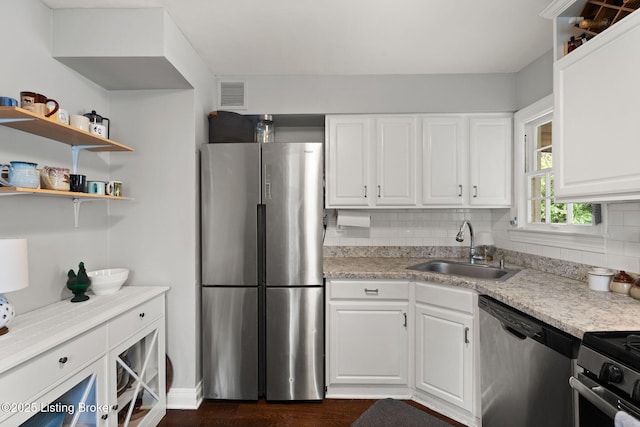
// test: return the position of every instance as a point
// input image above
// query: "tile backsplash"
(424, 227)
(438, 227)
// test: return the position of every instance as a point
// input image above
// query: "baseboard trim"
(185, 398)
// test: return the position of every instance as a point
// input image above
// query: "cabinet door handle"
(365, 191)
(63, 360)
(141, 315)
(466, 335)
(370, 291)
(459, 190)
(379, 192)
(475, 191)
(405, 319)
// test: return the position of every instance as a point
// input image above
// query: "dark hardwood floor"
(329, 413)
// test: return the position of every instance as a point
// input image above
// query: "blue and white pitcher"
(20, 174)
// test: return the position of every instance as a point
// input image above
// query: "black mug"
(78, 183)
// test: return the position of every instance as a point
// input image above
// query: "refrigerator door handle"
(262, 244)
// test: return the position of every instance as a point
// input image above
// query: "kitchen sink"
(478, 271)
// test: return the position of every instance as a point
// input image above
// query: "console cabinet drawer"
(45, 370)
(134, 320)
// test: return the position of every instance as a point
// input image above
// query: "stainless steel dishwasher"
(525, 367)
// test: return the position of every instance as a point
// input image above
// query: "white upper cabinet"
(443, 161)
(490, 140)
(395, 161)
(371, 161)
(461, 160)
(347, 159)
(596, 110)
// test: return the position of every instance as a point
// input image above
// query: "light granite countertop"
(562, 302)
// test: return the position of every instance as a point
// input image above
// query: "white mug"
(114, 188)
(63, 116)
(98, 129)
(80, 122)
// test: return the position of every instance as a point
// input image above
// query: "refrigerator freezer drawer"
(295, 343)
(230, 343)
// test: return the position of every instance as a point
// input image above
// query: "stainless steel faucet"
(472, 248)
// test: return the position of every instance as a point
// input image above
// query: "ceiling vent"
(232, 94)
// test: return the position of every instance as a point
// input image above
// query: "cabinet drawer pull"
(370, 291)
(63, 360)
(459, 190)
(141, 315)
(405, 319)
(466, 335)
(475, 191)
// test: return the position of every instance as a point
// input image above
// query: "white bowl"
(600, 280)
(108, 281)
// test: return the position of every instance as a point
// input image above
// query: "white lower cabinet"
(445, 344)
(367, 339)
(98, 363)
(371, 349)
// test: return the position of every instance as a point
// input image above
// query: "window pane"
(551, 185)
(538, 211)
(544, 160)
(582, 213)
(544, 137)
(558, 213)
(538, 187)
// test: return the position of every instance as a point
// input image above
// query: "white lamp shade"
(484, 238)
(14, 270)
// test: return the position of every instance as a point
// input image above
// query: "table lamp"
(14, 275)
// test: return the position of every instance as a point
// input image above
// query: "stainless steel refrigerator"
(262, 284)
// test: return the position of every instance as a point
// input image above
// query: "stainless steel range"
(609, 386)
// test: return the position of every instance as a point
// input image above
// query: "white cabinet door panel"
(444, 354)
(368, 343)
(396, 161)
(347, 157)
(490, 161)
(443, 153)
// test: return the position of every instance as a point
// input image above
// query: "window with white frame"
(537, 207)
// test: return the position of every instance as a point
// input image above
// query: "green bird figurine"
(79, 283)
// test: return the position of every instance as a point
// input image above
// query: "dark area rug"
(389, 412)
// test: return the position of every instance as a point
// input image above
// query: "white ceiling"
(343, 37)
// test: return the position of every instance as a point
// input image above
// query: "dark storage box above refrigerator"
(226, 126)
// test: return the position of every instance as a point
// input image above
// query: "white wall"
(55, 246)
(156, 234)
(435, 93)
(535, 81)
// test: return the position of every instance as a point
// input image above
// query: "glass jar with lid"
(265, 130)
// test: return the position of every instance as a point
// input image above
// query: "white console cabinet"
(95, 363)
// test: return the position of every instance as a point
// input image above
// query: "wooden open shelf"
(26, 121)
(612, 10)
(70, 194)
